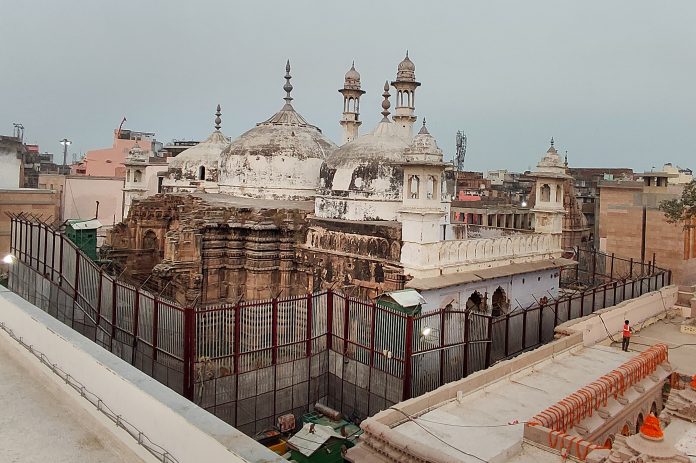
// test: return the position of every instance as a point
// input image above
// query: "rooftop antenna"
(461, 150)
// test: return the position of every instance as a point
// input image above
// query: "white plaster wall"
(356, 208)
(523, 290)
(188, 432)
(10, 169)
(447, 257)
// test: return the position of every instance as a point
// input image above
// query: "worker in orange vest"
(627, 330)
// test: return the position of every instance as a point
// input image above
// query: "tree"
(681, 210)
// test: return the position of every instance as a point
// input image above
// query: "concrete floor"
(40, 422)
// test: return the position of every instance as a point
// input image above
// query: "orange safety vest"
(626, 331)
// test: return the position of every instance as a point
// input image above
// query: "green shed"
(408, 301)
(84, 234)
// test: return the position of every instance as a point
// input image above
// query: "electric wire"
(436, 436)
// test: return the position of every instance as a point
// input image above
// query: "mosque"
(282, 210)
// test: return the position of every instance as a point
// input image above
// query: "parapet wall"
(641, 311)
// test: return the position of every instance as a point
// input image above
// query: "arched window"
(500, 302)
(431, 187)
(545, 193)
(150, 240)
(413, 186)
(639, 422)
(201, 173)
(559, 194)
(475, 302)
(137, 176)
(128, 175)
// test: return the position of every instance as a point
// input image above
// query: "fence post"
(465, 373)
(408, 358)
(77, 283)
(594, 295)
(237, 347)
(373, 323)
(329, 319)
(631, 267)
(555, 315)
(611, 269)
(442, 348)
(524, 334)
(155, 323)
(507, 334)
(346, 314)
(594, 265)
(114, 292)
(274, 331)
(99, 303)
(136, 312)
(189, 326)
(582, 304)
(489, 342)
(308, 347)
(604, 295)
(46, 248)
(541, 324)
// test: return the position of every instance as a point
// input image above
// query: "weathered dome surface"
(206, 154)
(365, 171)
(352, 74)
(366, 163)
(279, 158)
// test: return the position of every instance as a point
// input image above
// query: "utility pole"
(65, 142)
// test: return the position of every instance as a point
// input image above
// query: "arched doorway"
(626, 431)
(639, 422)
(201, 173)
(475, 303)
(500, 304)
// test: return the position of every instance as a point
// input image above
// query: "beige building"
(631, 224)
(41, 203)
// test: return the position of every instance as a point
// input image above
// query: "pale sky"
(613, 81)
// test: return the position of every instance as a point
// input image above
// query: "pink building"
(108, 162)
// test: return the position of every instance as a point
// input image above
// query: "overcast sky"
(612, 80)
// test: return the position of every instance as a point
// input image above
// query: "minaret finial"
(423, 121)
(551, 141)
(406, 53)
(288, 86)
(352, 66)
(218, 121)
(566, 159)
(386, 104)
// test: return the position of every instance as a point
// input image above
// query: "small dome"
(406, 70)
(352, 74)
(423, 148)
(352, 80)
(206, 153)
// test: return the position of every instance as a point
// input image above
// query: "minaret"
(351, 104)
(550, 176)
(405, 85)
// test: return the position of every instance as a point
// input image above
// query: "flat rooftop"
(43, 423)
(682, 356)
(476, 427)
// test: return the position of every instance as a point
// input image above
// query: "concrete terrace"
(41, 421)
(482, 415)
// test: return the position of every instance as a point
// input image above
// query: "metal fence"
(251, 362)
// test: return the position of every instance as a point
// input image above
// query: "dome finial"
(424, 129)
(551, 141)
(406, 53)
(218, 121)
(288, 86)
(386, 104)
